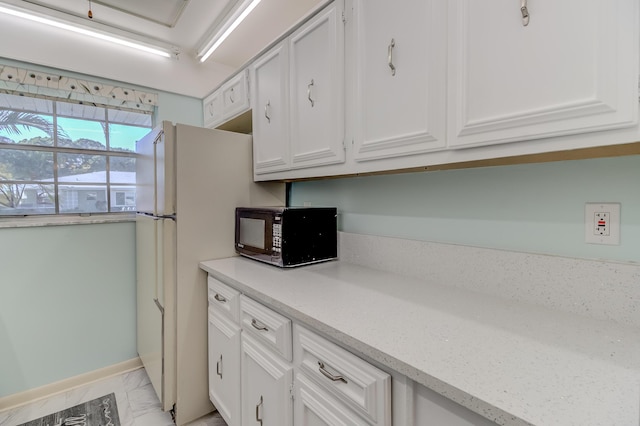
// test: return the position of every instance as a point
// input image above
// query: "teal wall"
(533, 208)
(67, 293)
(67, 302)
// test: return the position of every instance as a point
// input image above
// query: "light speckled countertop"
(513, 362)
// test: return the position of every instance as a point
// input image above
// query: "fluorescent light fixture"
(236, 18)
(84, 31)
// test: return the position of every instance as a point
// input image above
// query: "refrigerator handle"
(155, 299)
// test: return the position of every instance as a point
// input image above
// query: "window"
(67, 158)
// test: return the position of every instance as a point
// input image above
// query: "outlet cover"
(602, 223)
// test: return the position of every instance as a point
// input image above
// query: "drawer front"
(269, 327)
(361, 386)
(224, 299)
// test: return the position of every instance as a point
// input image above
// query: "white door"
(317, 96)
(400, 76)
(570, 67)
(314, 406)
(266, 386)
(224, 367)
(149, 312)
(270, 80)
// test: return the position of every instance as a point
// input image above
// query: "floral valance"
(15, 80)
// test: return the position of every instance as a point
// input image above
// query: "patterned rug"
(98, 412)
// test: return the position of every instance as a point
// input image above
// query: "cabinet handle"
(258, 415)
(390, 55)
(258, 325)
(309, 93)
(231, 96)
(525, 12)
(266, 111)
(218, 369)
(220, 298)
(328, 375)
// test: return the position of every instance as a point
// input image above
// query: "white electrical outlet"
(602, 223)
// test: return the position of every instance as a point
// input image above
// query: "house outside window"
(58, 157)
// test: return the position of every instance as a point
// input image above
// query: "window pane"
(82, 198)
(123, 138)
(82, 168)
(123, 199)
(82, 134)
(123, 170)
(17, 164)
(21, 199)
(81, 111)
(17, 127)
(128, 117)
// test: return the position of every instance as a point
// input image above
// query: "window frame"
(108, 153)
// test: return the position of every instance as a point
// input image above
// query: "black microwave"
(287, 236)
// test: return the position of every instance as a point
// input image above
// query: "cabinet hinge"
(291, 390)
(344, 17)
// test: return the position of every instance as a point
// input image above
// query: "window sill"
(35, 221)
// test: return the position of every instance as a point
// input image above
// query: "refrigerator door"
(155, 243)
(155, 172)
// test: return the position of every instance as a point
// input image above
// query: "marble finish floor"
(137, 403)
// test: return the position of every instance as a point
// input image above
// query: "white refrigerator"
(189, 182)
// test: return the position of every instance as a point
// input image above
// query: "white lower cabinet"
(224, 366)
(314, 406)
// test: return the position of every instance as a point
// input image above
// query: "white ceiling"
(182, 24)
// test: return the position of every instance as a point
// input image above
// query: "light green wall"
(533, 207)
(67, 293)
(67, 302)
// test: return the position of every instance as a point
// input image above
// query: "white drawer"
(268, 326)
(235, 96)
(224, 299)
(352, 380)
(212, 109)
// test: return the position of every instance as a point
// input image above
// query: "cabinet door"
(224, 367)
(400, 77)
(212, 106)
(270, 79)
(314, 406)
(266, 386)
(317, 97)
(572, 69)
(235, 99)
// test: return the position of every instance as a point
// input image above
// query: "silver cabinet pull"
(390, 54)
(220, 298)
(525, 12)
(258, 325)
(231, 96)
(266, 111)
(328, 375)
(258, 415)
(218, 367)
(309, 93)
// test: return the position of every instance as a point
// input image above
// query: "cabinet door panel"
(400, 54)
(266, 386)
(572, 69)
(213, 109)
(316, 407)
(224, 367)
(270, 79)
(317, 96)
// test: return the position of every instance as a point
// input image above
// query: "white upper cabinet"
(316, 53)
(270, 100)
(400, 75)
(235, 95)
(571, 67)
(212, 106)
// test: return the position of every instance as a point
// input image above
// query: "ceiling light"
(230, 24)
(84, 31)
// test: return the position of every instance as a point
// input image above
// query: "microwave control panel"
(277, 237)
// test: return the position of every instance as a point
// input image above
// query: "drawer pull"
(390, 56)
(328, 375)
(220, 298)
(309, 93)
(258, 325)
(258, 415)
(525, 13)
(218, 369)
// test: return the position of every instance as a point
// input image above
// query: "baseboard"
(31, 395)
